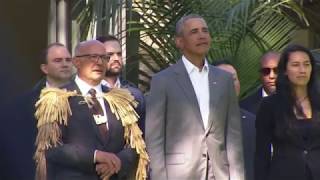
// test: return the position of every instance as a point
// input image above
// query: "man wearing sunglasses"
(268, 75)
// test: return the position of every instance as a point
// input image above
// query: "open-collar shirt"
(116, 85)
(200, 82)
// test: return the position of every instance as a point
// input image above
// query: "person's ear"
(44, 68)
(75, 62)
(179, 42)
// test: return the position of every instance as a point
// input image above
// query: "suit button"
(204, 155)
(305, 152)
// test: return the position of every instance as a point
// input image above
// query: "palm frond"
(241, 30)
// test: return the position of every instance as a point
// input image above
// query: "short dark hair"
(269, 54)
(106, 38)
(182, 20)
(44, 56)
(284, 88)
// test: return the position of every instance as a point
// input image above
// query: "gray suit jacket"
(176, 139)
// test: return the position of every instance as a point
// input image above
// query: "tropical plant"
(242, 31)
(92, 18)
(99, 17)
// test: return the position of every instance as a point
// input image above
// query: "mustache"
(118, 63)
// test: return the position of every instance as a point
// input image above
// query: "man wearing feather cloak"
(74, 140)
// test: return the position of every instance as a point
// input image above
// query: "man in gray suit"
(193, 129)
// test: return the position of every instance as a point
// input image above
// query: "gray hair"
(182, 20)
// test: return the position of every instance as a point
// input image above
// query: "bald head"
(90, 60)
(268, 69)
(230, 69)
(86, 47)
(270, 55)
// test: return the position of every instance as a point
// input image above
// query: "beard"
(113, 72)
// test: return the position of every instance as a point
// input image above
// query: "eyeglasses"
(95, 57)
(267, 71)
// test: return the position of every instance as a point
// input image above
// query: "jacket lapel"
(186, 86)
(108, 114)
(214, 92)
(83, 108)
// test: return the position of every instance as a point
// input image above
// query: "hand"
(104, 171)
(112, 162)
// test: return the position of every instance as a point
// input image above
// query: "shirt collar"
(85, 87)
(48, 85)
(117, 84)
(264, 93)
(191, 67)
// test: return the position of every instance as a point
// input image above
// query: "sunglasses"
(267, 71)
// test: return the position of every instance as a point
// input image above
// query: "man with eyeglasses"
(21, 128)
(268, 75)
(92, 143)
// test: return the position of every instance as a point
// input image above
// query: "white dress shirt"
(47, 84)
(264, 93)
(117, 84)
(84, 89)
(200, 83)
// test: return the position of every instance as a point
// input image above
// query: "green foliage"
(241, 30)
(97, 17)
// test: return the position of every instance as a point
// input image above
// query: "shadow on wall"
(23, 35)
(13, 76)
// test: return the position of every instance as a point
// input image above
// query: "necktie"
(96, 108)
(97, 111)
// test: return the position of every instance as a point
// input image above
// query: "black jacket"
(81, 137)
(18, 136)
(293, 150)
(249, 137)
(251, 103)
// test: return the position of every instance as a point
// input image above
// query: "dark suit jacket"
(18, 136)
(81, 137)
(251, 103)
(291, 154)
(249, 140)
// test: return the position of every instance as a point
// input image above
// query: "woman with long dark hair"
(288, 122)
